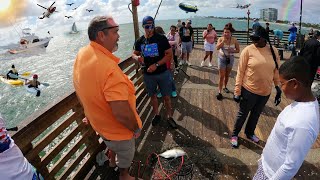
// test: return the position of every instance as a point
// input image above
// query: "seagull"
(89, 10)
(48, 32)
(68, 17)
(69, 4)
(75, 8)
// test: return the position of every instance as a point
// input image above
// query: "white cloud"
(26, 12)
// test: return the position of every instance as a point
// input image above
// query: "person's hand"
(86, 121)
(277, 99)
(152, 68)
(137, 133)
(236, 98)
(172, 67)
(141, 59)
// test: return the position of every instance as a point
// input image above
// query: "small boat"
(34, 90)
(29, 41)
(11, 81)
(74, 29)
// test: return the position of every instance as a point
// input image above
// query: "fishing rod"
(14, 28)
(154, 15)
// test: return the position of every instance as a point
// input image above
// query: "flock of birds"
(51, 9)
(70, 4)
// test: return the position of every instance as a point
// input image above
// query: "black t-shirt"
(153, 50)
(186, 34)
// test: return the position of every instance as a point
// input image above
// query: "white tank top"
(226, 47)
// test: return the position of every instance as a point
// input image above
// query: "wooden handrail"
(55, 140)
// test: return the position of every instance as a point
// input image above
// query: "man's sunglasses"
(109, 28)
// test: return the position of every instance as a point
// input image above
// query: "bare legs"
(167, 104)
(223, 77)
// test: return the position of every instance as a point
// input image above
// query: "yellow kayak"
(11, 81)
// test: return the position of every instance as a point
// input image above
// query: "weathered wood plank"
(63, 143)
(51, 136)
(42, 120)
(71, 151)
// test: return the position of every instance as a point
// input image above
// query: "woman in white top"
(13, 165)
(173, 38)
(209, 36)
(226, 46)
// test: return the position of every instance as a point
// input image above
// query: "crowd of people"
(258, 72)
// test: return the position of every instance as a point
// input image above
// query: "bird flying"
(69, 4)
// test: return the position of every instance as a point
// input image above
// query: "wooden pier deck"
(204, 130)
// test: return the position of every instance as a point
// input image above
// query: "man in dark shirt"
(311, 52)
(187, 39)
(153, 51)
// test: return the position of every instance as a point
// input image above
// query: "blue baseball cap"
(147, 20)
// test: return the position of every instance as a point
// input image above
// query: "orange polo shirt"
(257, 70)
(98, 80)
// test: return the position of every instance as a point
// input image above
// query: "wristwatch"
(157, 64)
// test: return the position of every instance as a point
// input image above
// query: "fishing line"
(14, 28)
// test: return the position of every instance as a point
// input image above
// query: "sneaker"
(159, 95)
(210, 65)
(219, 96)
(181, 62)
(234, 141)
(172, 123)
(175, 72)
(188, 63)
(174, 94)
(156, 119)
(202, 63)
(253, 138)
(226, 90)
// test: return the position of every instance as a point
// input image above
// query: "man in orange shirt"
(106, 93)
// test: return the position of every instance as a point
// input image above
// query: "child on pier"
(296, 128)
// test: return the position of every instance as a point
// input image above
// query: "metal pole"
(248, 12)
(135, 21)
(300, 35)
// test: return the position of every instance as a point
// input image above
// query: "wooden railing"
(55, 140)
(241, 36)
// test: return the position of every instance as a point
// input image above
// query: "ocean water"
(54, 65)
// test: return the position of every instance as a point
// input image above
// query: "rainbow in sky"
(290, 10)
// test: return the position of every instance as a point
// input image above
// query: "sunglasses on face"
(109, 28)
(148, 26)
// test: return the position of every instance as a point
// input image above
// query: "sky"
(25, 13)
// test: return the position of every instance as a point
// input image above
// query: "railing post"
(197, 36)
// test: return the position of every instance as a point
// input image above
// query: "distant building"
(269, 14)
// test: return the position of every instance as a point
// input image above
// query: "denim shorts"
(162, 80)
(222, 62)
(186, 47)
